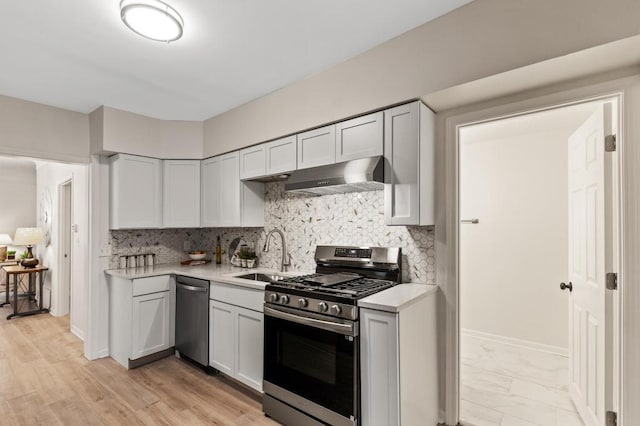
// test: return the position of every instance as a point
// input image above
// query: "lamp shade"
(28, 237)
(5, 239)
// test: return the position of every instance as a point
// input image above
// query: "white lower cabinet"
(150, 324)
(249, 347)
(141, 319)
(221, 336)
(399, 365)
(236, 333)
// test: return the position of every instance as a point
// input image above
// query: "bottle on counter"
(218, 252)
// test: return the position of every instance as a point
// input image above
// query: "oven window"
(315, 364)
(310, 358)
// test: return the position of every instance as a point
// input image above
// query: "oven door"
(311, 363)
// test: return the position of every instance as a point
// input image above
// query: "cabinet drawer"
(151, 285)
(239, 296)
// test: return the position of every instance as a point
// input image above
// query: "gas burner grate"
(356, 288)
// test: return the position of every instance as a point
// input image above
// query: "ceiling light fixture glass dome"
(152, 19)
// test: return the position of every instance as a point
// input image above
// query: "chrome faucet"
(286, 258)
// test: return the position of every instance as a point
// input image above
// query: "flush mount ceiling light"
(152, 19)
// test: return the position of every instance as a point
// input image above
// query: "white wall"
(18, 191)
(512, 262)
(49, 176)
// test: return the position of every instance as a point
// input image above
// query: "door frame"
(626, 300)
(65, 292)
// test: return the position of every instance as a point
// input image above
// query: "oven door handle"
(336, 327)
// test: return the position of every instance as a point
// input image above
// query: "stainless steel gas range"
(311, 341)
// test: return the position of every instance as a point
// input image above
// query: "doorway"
(65, 252)
(525, 354)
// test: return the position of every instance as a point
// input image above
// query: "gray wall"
(483, 38)
(18, 189)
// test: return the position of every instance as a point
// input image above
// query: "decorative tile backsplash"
(307, 221)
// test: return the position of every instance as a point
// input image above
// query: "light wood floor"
(45, 379)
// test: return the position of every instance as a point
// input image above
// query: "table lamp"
(5, 239)
(28, 237)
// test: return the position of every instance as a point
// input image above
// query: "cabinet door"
(317, 147)
(252, 162)
(210, 190)
(249, 346)
(136, 192)
(380, 368)
(281, 155)
(230, 190)
(221, 336)
(181, 193)
(252, 204)
(360, 137)
(150, 323)
(402, 165)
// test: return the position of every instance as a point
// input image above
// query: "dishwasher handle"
(193, 288)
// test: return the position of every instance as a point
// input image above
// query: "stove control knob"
(284, 299)
(303, 303)
(274, 297)
(322, 307)
(336, 310)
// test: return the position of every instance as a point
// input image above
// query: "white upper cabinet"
(229, 199)
(360, 137)
(226, 200)
(317, 147)
(409, 165)
(252, 162)
(181, 193)
(210, 192)
(136, 192)
(281, 155)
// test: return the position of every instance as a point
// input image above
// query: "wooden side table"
(19, 273)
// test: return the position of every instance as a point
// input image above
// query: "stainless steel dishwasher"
(192, 319)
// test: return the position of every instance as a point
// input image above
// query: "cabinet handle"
(193, 288)
(470, 221)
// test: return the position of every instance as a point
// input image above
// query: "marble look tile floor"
(505, 385)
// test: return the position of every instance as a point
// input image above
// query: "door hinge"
(612, 281)
(612, 418)
(610, 143)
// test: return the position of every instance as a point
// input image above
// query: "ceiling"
(78, 55)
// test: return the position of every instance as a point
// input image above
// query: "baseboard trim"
(521, 343)
(77, 332)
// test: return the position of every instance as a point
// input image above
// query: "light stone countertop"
(221, 273)
(398, 297)
(393, 299)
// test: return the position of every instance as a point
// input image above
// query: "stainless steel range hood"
(364, 174)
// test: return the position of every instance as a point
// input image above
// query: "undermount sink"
(267, 278)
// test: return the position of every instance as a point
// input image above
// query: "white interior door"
(588, 265)
(64, 257)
